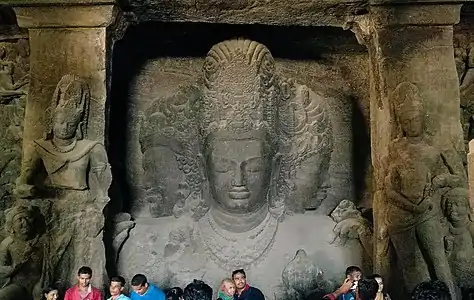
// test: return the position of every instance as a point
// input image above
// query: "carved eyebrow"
(252, 159)
(223, 159)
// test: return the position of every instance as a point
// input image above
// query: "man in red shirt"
(83, 290)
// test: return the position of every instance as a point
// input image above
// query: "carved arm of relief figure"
(31, 166)
(100, 178)
(6, 268)
(392, 183)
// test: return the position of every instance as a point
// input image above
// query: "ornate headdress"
(31, 212)
(239, 89)
(407, 99)
(72, 95)
(171, 123)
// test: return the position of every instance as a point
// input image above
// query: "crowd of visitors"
(354, 287)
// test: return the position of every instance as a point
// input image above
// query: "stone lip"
(65, 16)
(55, 2)
(282, 13)
(289, 12)
(415, 2)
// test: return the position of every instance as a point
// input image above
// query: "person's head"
(50, 293)
(354, 273)
(228, 286)
(431, 290)
(84, 275)
(367, 289)
(239, 278)
(379, 280)
(175, 293)
(197, 290)
(116, 285)
(139, 284)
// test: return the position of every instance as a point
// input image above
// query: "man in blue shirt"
(142, 290)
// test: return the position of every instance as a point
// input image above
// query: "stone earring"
(80, 131)
(276, 200)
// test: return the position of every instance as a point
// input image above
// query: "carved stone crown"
(239, 88)
(72, 96)
(407, 98)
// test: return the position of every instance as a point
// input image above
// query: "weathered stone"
(305, 13)
(76, 182)
(403, 40)
(417, 172)
(263, 151)
(232, 164)
(458, 241)
(12, 111)
(28, 256)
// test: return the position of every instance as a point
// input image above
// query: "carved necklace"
(64, 149)
(236, 250)
(28, 248)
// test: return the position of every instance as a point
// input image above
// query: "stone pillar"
(67, 37)
(408, 41)
(470, 173)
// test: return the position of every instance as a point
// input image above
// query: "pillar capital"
(63, 13)
(415, 12)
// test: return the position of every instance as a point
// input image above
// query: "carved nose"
(239, 179)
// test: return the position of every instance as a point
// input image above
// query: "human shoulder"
(133, 295)
(157, 292)
(96, 294)
(121, 297)
(69, 293)
(257, 293)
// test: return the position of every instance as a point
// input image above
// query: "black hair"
(431, 290)
(367, 289)
(373, 276)
(139, 280)
(352, 269)
(239, 271)
(84, 270)
(174, 293)
(197, 290)
(48, 290)
(118, 279)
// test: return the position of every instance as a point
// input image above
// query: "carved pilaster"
(67, 37)
(408, 41)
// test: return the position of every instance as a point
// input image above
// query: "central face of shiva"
(239, 171)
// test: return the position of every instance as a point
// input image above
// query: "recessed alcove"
(153, 58)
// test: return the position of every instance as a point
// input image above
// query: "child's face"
(229, 289)
(355, 276)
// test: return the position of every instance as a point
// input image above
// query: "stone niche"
(231, 145)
